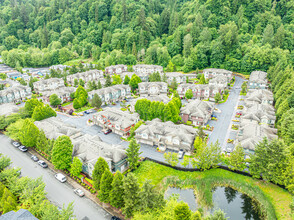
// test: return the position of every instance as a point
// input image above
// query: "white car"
(60, 177)
(16, 144)
(181, 154)
(79, 192)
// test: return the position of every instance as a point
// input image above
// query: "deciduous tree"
(62, 153)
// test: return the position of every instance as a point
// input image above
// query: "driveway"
(58, 193)
(222, 126)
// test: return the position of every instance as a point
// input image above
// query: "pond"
(236, 205)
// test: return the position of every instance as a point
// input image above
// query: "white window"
(176, 141)
(144, 135)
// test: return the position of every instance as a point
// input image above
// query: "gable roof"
(198, 108)
(21, 214)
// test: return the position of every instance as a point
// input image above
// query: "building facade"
(147, 69)
(15, 94)
(116, 69)
(212, 72)
(257, 80)
(48, 84)
(152, 88)
(120, 122)
(85, 76)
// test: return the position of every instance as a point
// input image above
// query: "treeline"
(24, 193)
(166, 112)
(237, 35)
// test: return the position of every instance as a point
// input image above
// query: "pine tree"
(54, 100)
(133, 154)
(182, 211)
(237, 159)
(41, 142)
(108, 81)
(99, 168)
(105, 186)
(126, 80)
(217, 97)
(29, 133)
(117, 192)
(99, 86)
(131, 195)
(189, 94)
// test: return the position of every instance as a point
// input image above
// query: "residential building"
(250, 134)
(15, 94)
(37, 71)
(14, 75)
(116, 69)
(257, 80)
(197, 111)
(59, 67)
(180, 77)
(62, 92)
(120, 122)
(85, 76)
(259, 96)
(261, 113)
(89, 148)
(157, 98)
(8, 109)
(212, 72)
(147, 69)
(200, 91)
(21, 214)
(144, 77)
(112, 94)
(166, 135)
(86, 147)
(48, 84)
(152, 88)
(219, 80)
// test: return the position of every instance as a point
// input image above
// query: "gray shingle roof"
(198, 108)
(258, 77)
(21, 214)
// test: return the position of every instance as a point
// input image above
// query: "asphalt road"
(58, 193)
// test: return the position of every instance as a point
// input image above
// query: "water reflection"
(236, 205)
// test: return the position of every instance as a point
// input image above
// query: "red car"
(107, 131)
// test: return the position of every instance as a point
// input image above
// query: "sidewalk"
(108, 208)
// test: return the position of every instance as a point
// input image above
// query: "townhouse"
(147, 69)
(112, 94)
(166, 135)
(200, 91)
(259, 113)
(212, 72)
(197, 111)
(260, 96)
(120, 122)
(85, 76)
(157, 98)
(58, 67)
(250, 134)
(86, 147)
(48, 84)
(219, 80)
(180, 77)
(64, 93)
(152, 88)
(14, 74)
(142, 76)
(15, 94)
(116, 69)
(257, 80)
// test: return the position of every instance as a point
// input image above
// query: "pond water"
(236, 205)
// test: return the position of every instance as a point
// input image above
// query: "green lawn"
(83, 109)
(274, 200)
(66, 103)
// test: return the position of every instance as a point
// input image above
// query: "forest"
(239, 35)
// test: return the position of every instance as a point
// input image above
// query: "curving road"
(58, 193)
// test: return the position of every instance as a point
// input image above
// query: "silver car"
(16, 144)
(79, 192)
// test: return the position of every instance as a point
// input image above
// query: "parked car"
(181, 154)
(229, 149)
(87, 112)
(79, 192)
(34, 158)
(23, 148)
(80, 114)
(213, 116)
(16, 144)
(42, 164)
(60, 177)
(107, 131)
(115, 218)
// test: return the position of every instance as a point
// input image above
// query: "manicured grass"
(66, 103)
(225, 98)
(274, 200)
(244, 94)
(83, 109)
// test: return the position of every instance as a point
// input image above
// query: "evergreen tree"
(126, 80)
(54, 100)
(76, 166)
(133, 154)
(135, 80)
(189, 94)
(96, 101)
(99, 168)
(217, 97)
(116, 196)
(108, 81)
(182, 211)
(41, 142)
(62, 153)
(105, 186)
(237, 159)
(131, 195)
(99, 86)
